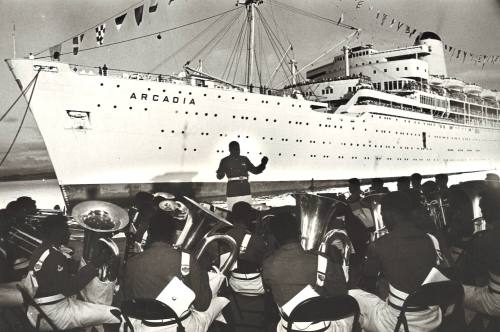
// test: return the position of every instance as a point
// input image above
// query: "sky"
(471, 25)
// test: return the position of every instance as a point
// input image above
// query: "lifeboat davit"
(488, 95)
(436, 81)
(473, 89)
(453, 84)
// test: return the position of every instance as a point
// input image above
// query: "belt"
(245, 276)
(165, 322)
(238, 178)
(46, 300)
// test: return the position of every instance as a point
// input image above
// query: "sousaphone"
(202, 228)
(100, 221)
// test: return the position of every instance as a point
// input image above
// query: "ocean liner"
(366, 114)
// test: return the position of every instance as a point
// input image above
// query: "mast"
(251, 40)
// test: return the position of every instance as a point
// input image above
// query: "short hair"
(416, 177)
(354, 182)
(285, 227)
(492, 177)
(397, 202)
(243, 213)
(52, 224)
(233, 144)
(162, 227)
(490, 199)
(441, 177)
(377, 181)
(143, 197)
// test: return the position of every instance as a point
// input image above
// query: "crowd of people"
(272, 263)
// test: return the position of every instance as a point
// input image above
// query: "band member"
(290, 269)
(56, 285)
(442, 182)
(149, 272)
(236, 168)
(493, 180)
(378, 187)
(404, 257)
(403, 183)
(358, 219)
(246, 278)
(486, 262)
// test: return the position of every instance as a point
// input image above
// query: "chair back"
(442, 293)
(28, 301)
(322, 309)
(148, 309)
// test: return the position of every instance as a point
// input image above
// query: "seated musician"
(57, 286)
(246, 278)
(404, 257)
(493, 180)
(149, 272)
(486, 260)
(290, 269)
(358, 220)
(378, 187)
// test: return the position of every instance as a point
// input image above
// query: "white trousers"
(71, 313)
(378, 316)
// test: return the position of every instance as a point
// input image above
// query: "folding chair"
(323, 309)
(443, 294)
(149, 310)
(29, 301)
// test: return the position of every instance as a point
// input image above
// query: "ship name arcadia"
(162, 98)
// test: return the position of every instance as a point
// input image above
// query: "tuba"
(316, 214)
(203, 227)
(374, 204)
(100, 220)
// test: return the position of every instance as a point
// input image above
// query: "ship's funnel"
(435, 60)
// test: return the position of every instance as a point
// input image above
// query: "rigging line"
(217, 38)
(18, 97)
(149, 34)
(231, 58)
(347, 39)
(238, 58)
(93, 26)
(312, 15)
(202, 32)
(240, 54)
(275, 43)
(22, 120)
(273, 16)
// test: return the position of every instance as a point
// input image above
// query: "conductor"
(236, 168)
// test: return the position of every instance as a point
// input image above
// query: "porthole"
(114, 106)
(162, 130)
(102, 84)
(159, 148)
(98, 105)
(204, 95)
(145, 108)
(163, 90)
(130, 108)
(118, 85)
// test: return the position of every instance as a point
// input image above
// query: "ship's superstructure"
(395, 112)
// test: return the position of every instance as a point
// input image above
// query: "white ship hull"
(118, 135)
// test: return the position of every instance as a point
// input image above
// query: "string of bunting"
(453, 52)
(100, 29)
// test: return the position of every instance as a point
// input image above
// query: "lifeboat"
(436, 81)
(488, 95)
(498, 96)
(473, 89)
(453, 84)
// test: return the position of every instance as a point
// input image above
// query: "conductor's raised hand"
(264, 160)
